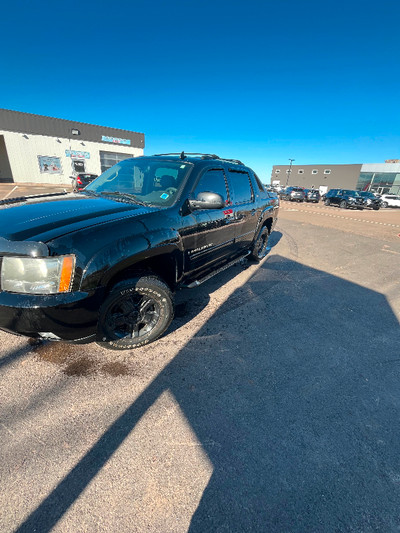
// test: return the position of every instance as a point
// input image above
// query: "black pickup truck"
(102, 264)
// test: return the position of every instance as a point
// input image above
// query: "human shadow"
(295, 400)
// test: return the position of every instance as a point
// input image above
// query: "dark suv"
(344, 198)
(293, 194)
(371, 200)
(82, 180)
(312, 195)
(102, 264)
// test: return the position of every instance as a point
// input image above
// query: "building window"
(327, 171)
(314, 171)
(301, 171)
(109, 159)
(277, 171)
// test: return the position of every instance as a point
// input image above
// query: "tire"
(136, 311)
(376, 208)
(385, 205)
(260, 246)
(327, 202)
(343, 204)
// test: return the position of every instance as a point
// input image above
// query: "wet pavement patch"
(73, 362)
(115, 369)
(80, 367)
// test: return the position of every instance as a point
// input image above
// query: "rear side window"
(241, 187)
(258, 181)
(213, 181)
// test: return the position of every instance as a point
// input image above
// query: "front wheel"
(343, 204)
(384, 205)
(137, 311)
(260, 246)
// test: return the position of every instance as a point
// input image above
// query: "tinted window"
(240, 182)
(259, 184)
(351, 193)
(212, 181)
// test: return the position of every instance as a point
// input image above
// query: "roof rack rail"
(203, 156)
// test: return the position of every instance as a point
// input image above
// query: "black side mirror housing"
(207, 200)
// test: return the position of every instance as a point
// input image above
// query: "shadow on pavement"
(299, 416)
(14, 355)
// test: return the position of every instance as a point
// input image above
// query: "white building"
(39, 149)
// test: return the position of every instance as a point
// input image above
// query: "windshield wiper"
(90, 193)
(127, 195)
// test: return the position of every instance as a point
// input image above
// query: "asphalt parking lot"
(272, 404)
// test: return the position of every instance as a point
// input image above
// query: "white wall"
(380, 167)
(23, 152)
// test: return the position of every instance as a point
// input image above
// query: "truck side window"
(212, 181)
(242, 190)
(259, 184)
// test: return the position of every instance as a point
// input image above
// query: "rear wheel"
(385, 204)
(137, 311)
(327, 202)
(260, 246)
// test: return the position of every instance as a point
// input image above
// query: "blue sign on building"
(77, 154)
(115, 140)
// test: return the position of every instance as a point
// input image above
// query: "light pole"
(72, 132)
(289, 171)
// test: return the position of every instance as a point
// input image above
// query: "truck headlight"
(48, 275)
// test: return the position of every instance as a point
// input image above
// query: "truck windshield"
(148, 181)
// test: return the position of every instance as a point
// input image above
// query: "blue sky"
(317, 81)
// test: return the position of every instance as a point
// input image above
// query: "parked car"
(103, 264)
(344, 198)
(312, 195)
(371, 201)
(80, 181)
(390, 200)
(293, 194)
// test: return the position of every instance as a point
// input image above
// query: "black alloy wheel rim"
(262, 246)
(132, 316)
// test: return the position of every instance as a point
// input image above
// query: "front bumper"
(69, 317)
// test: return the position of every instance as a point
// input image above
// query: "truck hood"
(49, 217)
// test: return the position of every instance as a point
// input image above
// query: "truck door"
(209, 236)
(243, 206)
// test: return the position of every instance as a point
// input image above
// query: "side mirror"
(207, 200)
